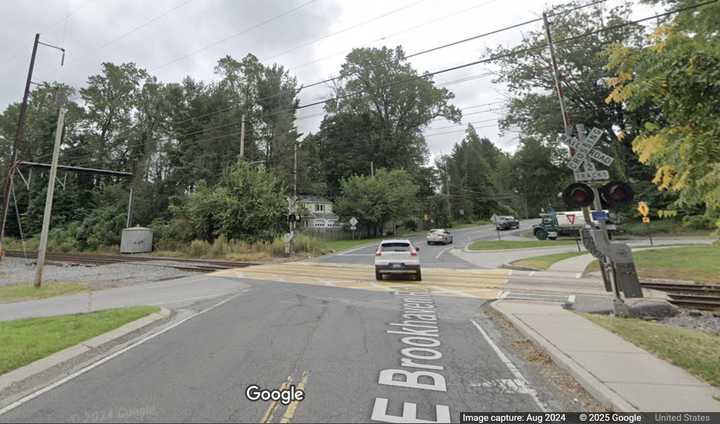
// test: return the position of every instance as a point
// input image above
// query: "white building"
(317, 214)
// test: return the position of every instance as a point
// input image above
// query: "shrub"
(697, 222)
(199, 248)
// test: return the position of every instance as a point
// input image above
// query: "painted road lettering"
(422, 340)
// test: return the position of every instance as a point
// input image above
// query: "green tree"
(675, 81)
(527, 71)
(389, 196)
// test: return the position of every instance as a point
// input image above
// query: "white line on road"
(519, 378)
(442, 252)
(82, 371)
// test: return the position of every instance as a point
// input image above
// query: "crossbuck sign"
(585, 154)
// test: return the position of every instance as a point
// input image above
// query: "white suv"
(397, 257)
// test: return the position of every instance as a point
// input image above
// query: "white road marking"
(513, 369)
(531, 273)
(578, 275)
(108, 358)
(442, 252)
(455, 292)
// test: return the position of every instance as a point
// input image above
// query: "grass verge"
(27, 340)
(694, 263)
(545, 261)
(517, 244)
(695, 351)
(20, 292)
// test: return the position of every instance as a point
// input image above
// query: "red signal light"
(578, 195)
(616, 193)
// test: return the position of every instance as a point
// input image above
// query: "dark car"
(506, 223)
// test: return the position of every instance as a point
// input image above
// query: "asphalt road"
(358, 356)
(435, 255)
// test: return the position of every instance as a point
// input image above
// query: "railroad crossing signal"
(578, 195)
(585, 154)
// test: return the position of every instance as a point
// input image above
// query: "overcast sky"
(175, 38)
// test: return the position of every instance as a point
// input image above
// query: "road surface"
(388, 353)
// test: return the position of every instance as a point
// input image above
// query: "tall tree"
(674, 81)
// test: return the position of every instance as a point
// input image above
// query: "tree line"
(655, 97)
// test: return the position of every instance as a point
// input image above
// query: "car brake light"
(413, 252)
(378, 252)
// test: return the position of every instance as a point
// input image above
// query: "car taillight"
(413, 252)
(378, 252)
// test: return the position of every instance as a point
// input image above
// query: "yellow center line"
(290, 412)
(273, 405)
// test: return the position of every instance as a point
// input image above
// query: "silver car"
(439, 236)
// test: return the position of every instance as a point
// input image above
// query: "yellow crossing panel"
(476, 283)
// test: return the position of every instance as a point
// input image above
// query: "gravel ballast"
(20, 271)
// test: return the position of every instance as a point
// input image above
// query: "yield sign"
(571, 219)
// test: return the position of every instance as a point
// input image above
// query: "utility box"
(136, 240)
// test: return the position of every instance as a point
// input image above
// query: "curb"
(589, 382)
(519, 268)
(69, 353)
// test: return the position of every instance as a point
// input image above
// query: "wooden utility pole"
(49, 199)
(19, 134)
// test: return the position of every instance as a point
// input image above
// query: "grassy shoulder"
(517, 244)
(27, 340)
(659, 227)
(545, 261)
(20, 292)
(695, 351)
(692, 263)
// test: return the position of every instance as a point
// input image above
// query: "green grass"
(695, 351)
(545, 261)
(517, 244)
(27, 340)
(658, 227)
(20, 292)
(694, 263)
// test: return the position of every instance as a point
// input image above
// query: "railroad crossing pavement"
(616, 372)
(481, 284)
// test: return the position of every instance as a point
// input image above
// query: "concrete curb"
(602, 393)
(518, 268)
(69, 353)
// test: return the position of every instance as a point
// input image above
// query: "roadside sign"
(600, 216)
(643, 208)
(353, 221)
(646, 220)
(353, 228)
(591, 175)
(585, 154)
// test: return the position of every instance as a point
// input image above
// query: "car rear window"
(396, 247)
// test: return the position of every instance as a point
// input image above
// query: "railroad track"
(184, 264)
(691, 296)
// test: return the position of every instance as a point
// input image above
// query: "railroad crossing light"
(616, 193)
(578, 195)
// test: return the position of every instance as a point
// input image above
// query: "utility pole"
(128, 223)
(556, 75)
(372, 169)
(242, 137)
(49, 199)
(447, 190)
(19, 134)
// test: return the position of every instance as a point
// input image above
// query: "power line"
(458, 131)
(363, 23)
(237, 34)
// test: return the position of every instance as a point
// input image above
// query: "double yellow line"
(291, 408)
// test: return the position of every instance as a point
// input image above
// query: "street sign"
(353, 221)
(643, 208)
(600, 216)
(646, 220)
(591, 175)
(585, 154)
(353, 228)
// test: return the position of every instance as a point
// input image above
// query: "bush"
(199, 248)
(698, 222)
